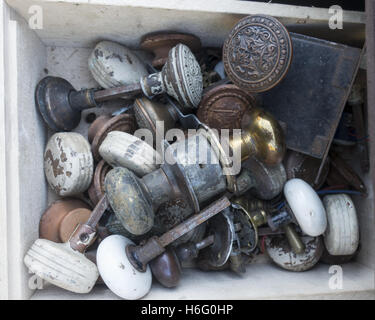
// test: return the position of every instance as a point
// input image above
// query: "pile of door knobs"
(132, 208)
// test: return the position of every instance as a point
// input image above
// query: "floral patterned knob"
(257, 53)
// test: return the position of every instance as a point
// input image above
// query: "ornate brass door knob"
(257, 53)
(224, 106)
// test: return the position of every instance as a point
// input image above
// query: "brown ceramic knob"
(96, 189)
(257, 53)
(161, 43)
(104, 124)
(298, 165)
(166, 269)
(61, 219)
(224, 106)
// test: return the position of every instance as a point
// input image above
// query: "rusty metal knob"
(257, 53)
(161, 43)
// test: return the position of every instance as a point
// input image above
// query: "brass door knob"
(262, 137)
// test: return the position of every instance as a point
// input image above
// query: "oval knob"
(166, 269)
(112, 64)
(306, 206)
(120, 149)
(131, 204)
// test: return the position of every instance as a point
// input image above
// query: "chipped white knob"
(112, 64)
(118, 273)
(120, 149)
(60, 265)
(342, 234)
(281, 253)
(68, 163)
(306, 206)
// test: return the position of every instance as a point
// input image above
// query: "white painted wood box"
(70, 29)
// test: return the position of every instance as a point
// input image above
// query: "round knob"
(112, 65)
(52, 99)
(61, 218)
(224, 106)
(129, 201)
(180, 78)
(68, 163)
(281, 253)
(257, 53)
(306, 206)
(117, 271)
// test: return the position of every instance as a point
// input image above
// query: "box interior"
(61, 48)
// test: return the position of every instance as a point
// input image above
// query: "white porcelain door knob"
(60, 265)
(306, 206)
(342, 234)
(280, 252)
(120, 149)
(68, 163)
(112, 64)
(118, 273)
